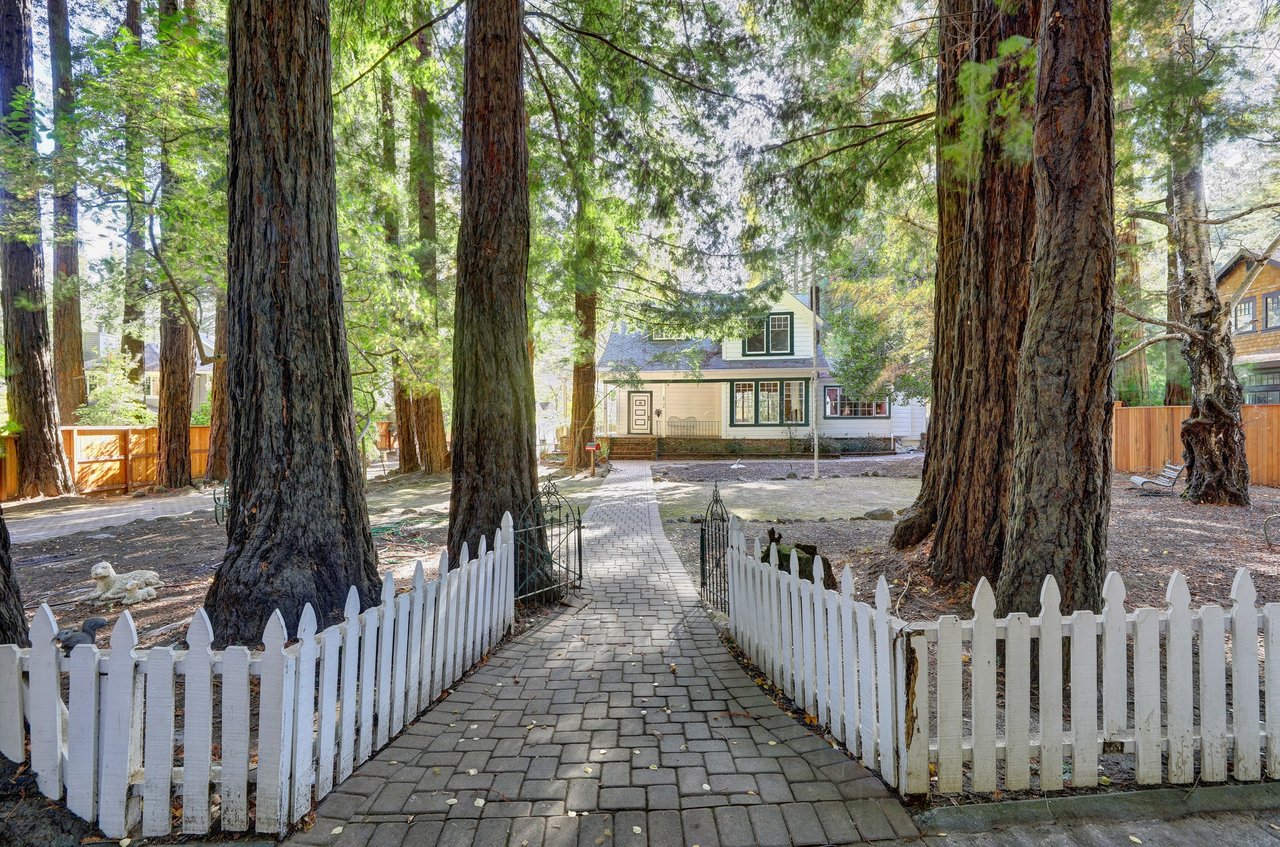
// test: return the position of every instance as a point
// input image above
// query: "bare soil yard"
(1149, 538)
(409, 515)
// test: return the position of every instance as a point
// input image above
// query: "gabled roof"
(637, 350)
(1241, 255)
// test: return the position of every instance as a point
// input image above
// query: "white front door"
(641, 413)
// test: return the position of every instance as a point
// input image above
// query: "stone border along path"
(625, 722)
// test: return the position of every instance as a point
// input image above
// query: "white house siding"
(801, 322)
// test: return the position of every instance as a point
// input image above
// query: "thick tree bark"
(298, 526)
(583, 407)
(1213, 436)
(1061, 495)
(1133, 383)
(218, 405)
(494, 433)
(33, 401)
(955, 32)
(428, 410)
(13, 621)
(406, 431)
(1177, 385)
(68, 343)
(177, 360)
(132, 335)
(585, 272)
(974, 475)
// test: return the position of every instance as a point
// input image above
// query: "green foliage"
(987, 110)
(113, 399)
(202, 414)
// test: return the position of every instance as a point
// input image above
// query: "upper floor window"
(841, 405)
(664, 334)
(1246, 315)
(1271, 311)
(773, 337)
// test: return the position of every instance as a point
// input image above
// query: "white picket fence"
(946, 696)
(325, 703)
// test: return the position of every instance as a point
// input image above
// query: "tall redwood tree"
(32, 397)
(1061, 495)
(298, 527)
(68, 340)
(494, 433)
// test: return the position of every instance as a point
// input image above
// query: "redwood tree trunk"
(494, 433)
(428, 410)
(177, 370)
(177, 360)
(13, 621)
(974, 474)
(68, 343)
(218, 406)
(955, 32)
(298, 526)
(132, 343)
(583, 408)
(1177, 385)
(1213, 436)
(33, 401)
(1061, 495)
(1133, 385)
(406, 432)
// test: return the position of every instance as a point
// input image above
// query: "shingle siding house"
(750, 395)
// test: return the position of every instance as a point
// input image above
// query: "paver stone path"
(625, 722)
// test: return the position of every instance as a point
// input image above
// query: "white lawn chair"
(1162, 484)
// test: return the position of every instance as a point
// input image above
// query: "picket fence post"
(116, 748)
(235, 739)
(197, 724)
(304, 715)
(13, 730)
(157, 788)
(82, 731)
(982, 667)
(1179, 694)
(386, 643)
(45, 690)
(849, 649)
(1245, 711)
(349, 700)
(275, 729)
(1050, 685)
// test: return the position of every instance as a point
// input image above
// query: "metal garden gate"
(712, 547)
(548, 537)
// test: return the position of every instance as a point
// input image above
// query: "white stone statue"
(114, 586)
(136, 591)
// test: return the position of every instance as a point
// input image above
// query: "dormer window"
(773, 337)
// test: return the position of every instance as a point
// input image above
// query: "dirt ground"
(409, 516)
(1149, 538)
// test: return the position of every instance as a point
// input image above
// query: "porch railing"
(690, 428)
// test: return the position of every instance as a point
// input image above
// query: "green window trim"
(768, 346)
(755, 388)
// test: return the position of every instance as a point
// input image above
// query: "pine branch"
(618, 48)
(1180, 328)
(913, 119)
(551, 104)
(180, 296)
(1147, 342)
(394, 47)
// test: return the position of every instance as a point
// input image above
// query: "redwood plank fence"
(1145, 437)
(947, 705)
(107, 458)
(324, 703)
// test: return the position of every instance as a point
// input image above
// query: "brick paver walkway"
(623, 723)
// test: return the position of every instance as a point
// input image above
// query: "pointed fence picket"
(948, 705)
(325, 702)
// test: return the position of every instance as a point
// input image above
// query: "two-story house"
(756, 395)
(1255, 326)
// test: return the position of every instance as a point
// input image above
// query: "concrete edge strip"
(1152, 804)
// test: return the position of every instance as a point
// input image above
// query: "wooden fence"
(1148, 436)
(323, 705)
(954, 696)
(107, 458)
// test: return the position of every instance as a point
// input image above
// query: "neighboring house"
(99, 342)
(740, 395)
(1255, 326)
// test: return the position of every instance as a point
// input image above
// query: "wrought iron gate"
(712, 548)
(548, 539)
